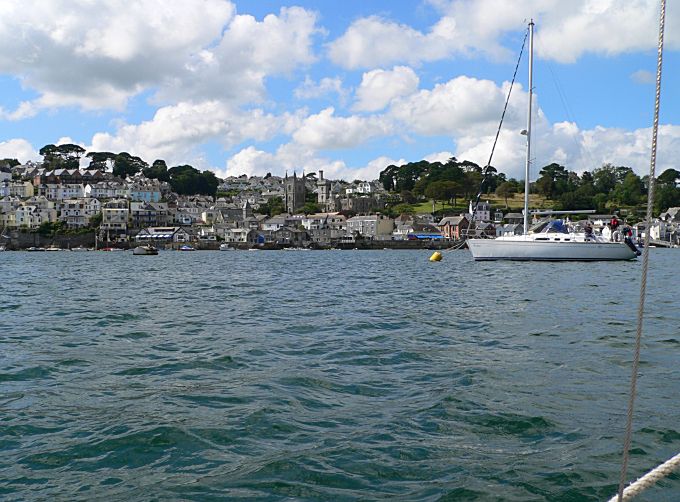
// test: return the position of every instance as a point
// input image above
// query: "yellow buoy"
(436, 256)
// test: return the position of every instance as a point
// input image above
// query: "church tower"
(294, 193)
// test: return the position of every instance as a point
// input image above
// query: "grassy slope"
(515, 204)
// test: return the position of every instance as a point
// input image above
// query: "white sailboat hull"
(520, 249)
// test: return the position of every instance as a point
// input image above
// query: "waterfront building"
(115, 216)
(451, 227)
(374, 226)
(148, 214)
(165, 234)
(31, 216)
(76, 213)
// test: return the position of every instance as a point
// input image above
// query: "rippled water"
(329, 375)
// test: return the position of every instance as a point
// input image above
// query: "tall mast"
(531, 95)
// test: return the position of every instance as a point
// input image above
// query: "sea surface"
(331, 375)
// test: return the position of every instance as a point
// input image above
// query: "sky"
(264, 86)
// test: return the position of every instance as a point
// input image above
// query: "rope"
(645, 258)
(649, 479)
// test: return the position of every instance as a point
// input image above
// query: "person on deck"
(589, 232)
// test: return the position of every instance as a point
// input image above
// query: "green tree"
(9, 162)
(273, 207)
(96, 220)
(66, 156)
(669, 177)
(311, 208)
(605, 178)
(505, 190)
(629, 191)
(125, 165)
(158, 170)
(101, 160)
(407, 197)
(666, 196)
(545, 185)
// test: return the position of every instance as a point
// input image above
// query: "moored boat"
(226, 247)
(551, 244)
(147, 249)
(186, 248)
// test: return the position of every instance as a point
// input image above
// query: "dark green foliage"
(605, 189)
(50, 229)
(62, 157)
(100, 160)
(187, 180)
(311, 208)
(96, 220)
(416, 177)
(273, 207)
(9, 162)
(158, 170)
(666, 196)
(125, 165)
(668, 177)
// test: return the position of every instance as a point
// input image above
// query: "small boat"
(186, 248)
(53, 248)
(33, 248)
(147, 249)
(111, 249)
(226, 247)
(79, 248)
(3, 248)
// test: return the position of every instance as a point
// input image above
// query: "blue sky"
(250, 87)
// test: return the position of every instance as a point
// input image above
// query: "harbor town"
(42, 208)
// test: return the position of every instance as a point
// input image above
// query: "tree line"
(184, 179)
(604, 189)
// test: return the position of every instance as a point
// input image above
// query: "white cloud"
(642, 77)
(326, 131)
(439, 156)
(99, 54)
(249, 51)
(379, 87)
(565, 31)
(309, 89)
(175, 132)
(293, 157)
(463, 105)
(578, 150)
(19, 149)
(374, 41)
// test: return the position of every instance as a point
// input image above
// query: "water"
(329, 376)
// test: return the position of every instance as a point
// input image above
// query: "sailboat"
(552, 242)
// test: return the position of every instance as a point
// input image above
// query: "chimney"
(320, 175)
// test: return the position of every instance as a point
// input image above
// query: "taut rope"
(675, 461)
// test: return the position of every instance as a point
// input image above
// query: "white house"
(78, 212)
(374, 226)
